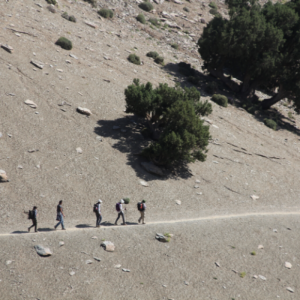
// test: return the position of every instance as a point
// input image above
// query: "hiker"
(142, 207)
(60, 216)
(97, 211)
(32, 214)
(119, 209)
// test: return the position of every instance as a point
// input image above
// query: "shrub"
(64, 43)
(152, 54)
(133, 58)
(141, 18)
(106, 13)
(146, 6)
(211, 87)
(51, 2)
(242, 274)
(253, 253)
(126, 200)
(159, 60)
(92, 2)
(65, 15)
(214, 12)
(270, 123)
(213, 5)
(220, 99)
(175, 46)
(154, 22)
(72, 19)
(186, 9)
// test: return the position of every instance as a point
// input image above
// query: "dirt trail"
(209, 218)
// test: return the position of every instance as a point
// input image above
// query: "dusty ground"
(245, 158)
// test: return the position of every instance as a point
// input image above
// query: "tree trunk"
(267, 103)
(219, 74)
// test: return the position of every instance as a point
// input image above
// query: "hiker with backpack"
(32, 215)
(60, 216)
(97, 211)
(141, 208)
(119, 209)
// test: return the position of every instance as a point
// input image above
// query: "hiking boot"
(144, 223)
(63, 229)
(28, 229)
(139, 220)
(116, 223)
(124, 224)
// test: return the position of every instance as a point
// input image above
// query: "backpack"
(118, 207)
(140, 206)
(30, 214)
(95, 208)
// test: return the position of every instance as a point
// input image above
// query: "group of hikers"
(120, 208)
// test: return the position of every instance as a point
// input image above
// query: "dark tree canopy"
(259, 45)
(172, 117)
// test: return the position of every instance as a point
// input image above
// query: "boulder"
(152, 169)
(84, 111)
(42, 251)
(3, 176)
(108, 246)
(203, 21)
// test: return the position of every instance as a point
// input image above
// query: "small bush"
(51, 2)
(154, 22)
(213, 11)
(242, 274)
(186, 9)
(146, 6)
(211, 87)
(167, 235)
(141, 18)
(65, 15)
(152, 54)
(220, 99)
(134, 59)
(106, 13)
(270, 123)
(175, 46)
(126, 200)
(290, 115)
(92, 2)
(253, 253)
(72, 19)
(213, 5)
(159, 60)
(64, 43)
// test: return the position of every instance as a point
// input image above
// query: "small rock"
(37, 64)
(108, 246)
(8, 48)
(144, 183)
(275, 230)
(203, 21)
(0, 134)
(152, 168)
(33, 150)
(88, 262)
(79, 150)
(61, 243)
(73, 56)
(20, 167)
(117, 266)
(42, 251)
(96, 258)
(8, 262)
(94, 237)
(178, 202)
(196, 186)
(59, 70)
(288, 265)
(290, 289)
(186, 283)
(125, 270)
(3, 176)
(30, 103)
(197, 181)
(72, 273)
(260, 247)
(254, 197)
(90, 24)
(51, 8)
(217, 264)
(164, 285)
(262, 277)
(162, 238)
(255, 276)
(84, 111)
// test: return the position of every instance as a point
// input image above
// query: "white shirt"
(99, 208)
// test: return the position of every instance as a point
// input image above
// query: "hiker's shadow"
(124, 134)
(84, 226)
(19, 232)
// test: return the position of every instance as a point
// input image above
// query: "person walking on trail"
(120, 210)
(33, 215)
(97, 211)
(142, 207)
(60, 216)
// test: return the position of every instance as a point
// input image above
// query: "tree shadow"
(124, 135)
(84, 226)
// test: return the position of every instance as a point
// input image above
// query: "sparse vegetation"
(220, 99)
(175, 46)
(211, 87)
(167, 235)
(290, 115)
(51, 2)
(64, 43)
(141, 18)
(69, 18)
(159, 60)
(242, 274)
(213, 5)
(106, 13)
(172, 116)
(155, 22)
(270, 123)
(186, 9)
(92, 2)
(214, 11)
(126, 200)
(146, 6)
(152, 54)
(133, 58)
(253, 253)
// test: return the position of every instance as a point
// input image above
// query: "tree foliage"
(172, 117)
(260, 45)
